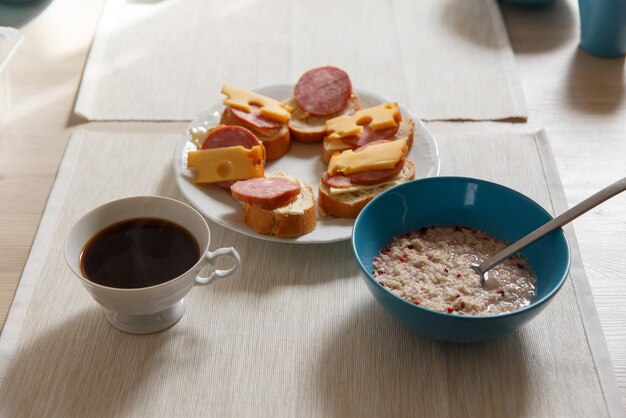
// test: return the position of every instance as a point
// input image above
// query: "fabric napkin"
(295, 332)
(167, 60)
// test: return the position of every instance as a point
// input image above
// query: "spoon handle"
(566, 217)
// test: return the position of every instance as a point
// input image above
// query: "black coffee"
(138, 253)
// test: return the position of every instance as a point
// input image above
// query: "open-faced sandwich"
(320, 94)
(354, 177)
(277, 204)
(364, 126)
(263, 116)
(226, 154)
(365, 149)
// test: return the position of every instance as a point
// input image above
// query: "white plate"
(302, 161)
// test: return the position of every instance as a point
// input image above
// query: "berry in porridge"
(431, 268)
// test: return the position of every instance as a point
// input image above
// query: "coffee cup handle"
(211, 257)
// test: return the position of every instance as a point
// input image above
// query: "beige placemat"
(296, 332)
(167, 60)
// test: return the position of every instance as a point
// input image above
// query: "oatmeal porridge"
(431, 268)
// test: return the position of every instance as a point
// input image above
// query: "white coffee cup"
(147, 309)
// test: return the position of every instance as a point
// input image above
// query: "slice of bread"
(349, 204)
(309, 128)
(295, 219)
(276, 141)
(405, 131)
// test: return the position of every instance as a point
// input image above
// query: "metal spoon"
(566, 217)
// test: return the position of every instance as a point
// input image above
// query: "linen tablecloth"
(295, 332)
(167, 60)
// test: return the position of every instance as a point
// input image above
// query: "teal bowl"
(490, 207)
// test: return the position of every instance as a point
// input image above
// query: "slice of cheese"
(378, 117)
(374, 157)
(335, 144)
(242, 99)
(362, 188)
(227, 163)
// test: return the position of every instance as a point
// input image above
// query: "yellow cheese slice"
(374, 157)
(227, 163)
(378, 117)
(242, 99)
(335, 145)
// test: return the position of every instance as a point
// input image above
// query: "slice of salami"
(337, 181)
(369, 135)
(254, 118)
(323, 91)
(267, 192)
(369, 144)
(230, 136)
(368, 178)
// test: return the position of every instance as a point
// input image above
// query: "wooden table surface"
(578, 99)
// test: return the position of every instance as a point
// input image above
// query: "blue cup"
(603, 27)
(531, 3)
